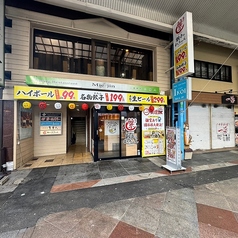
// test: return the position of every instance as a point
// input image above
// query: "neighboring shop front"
(211, 121)
(120, 120)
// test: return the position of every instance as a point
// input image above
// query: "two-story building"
(103, 84)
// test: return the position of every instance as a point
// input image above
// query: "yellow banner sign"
(59, 94)
(33, 93)
(146, 99)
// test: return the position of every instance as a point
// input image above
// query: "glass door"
(116, 134)
(130, 134)
(108, 135)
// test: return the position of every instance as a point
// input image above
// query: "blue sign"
(181, 91)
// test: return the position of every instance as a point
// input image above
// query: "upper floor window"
(207, 70)
(64, 53)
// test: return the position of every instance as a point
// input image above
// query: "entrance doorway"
(79, 144)
(117, 134)
(108, 135)
(78, 125)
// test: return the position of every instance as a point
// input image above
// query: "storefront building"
(107, 84)
(88, 81)
(117, 123)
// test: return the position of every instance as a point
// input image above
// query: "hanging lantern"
(141, 108)
(71, 105)
(131, 108)
(26, 105)
(42, 105)
(120, 107)
(85, 106)
(97, 106)
(151, 108)
(109, 107)
(58, 105)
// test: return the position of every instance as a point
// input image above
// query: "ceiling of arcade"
(214, 21)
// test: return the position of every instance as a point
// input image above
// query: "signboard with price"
(59, 94)
(24, 92)
(101, 96)
(183, 46)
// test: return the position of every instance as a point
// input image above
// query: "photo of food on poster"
(171, 145)
(153, 132)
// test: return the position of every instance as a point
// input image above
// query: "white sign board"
(183, 46)
(173, 150)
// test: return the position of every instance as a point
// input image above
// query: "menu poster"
(236, 130)
(111, 127)
(25, 123)
(153, 132)
(50, 123)
(173, 150)
(171, 145)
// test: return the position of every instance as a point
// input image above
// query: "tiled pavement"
(205, 207)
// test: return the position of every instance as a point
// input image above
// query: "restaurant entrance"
(117, 134)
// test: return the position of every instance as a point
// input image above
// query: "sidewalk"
(101, 173)
(124, 198)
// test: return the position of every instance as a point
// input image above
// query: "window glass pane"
(56, 49)
(131, 63)
(39, 48)
(38, 40)
(59, 52)
(210, 71)
(197, 69)
(223, 73)
(101, 58)
(216, 72)
(46, 41)
(228, 74)
(48, 49)
(54, 42)
(207, 70)
(204, 70)
(63, 43)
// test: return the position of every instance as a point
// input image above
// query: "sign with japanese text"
(228, 99)
(171, 145)
(223, 131)
(129, 128)
(173, 149)
(59, 94)
(183, 46)
(146, 99)
(101, 96)
(153, 139)
(50, 123)
(75, 83)
(182, 90)
(24, 92)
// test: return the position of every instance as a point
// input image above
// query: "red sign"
(131, 124)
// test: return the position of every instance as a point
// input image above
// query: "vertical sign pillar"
(2, 44)
(181, 127)
(2, 70)
(183, 66)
